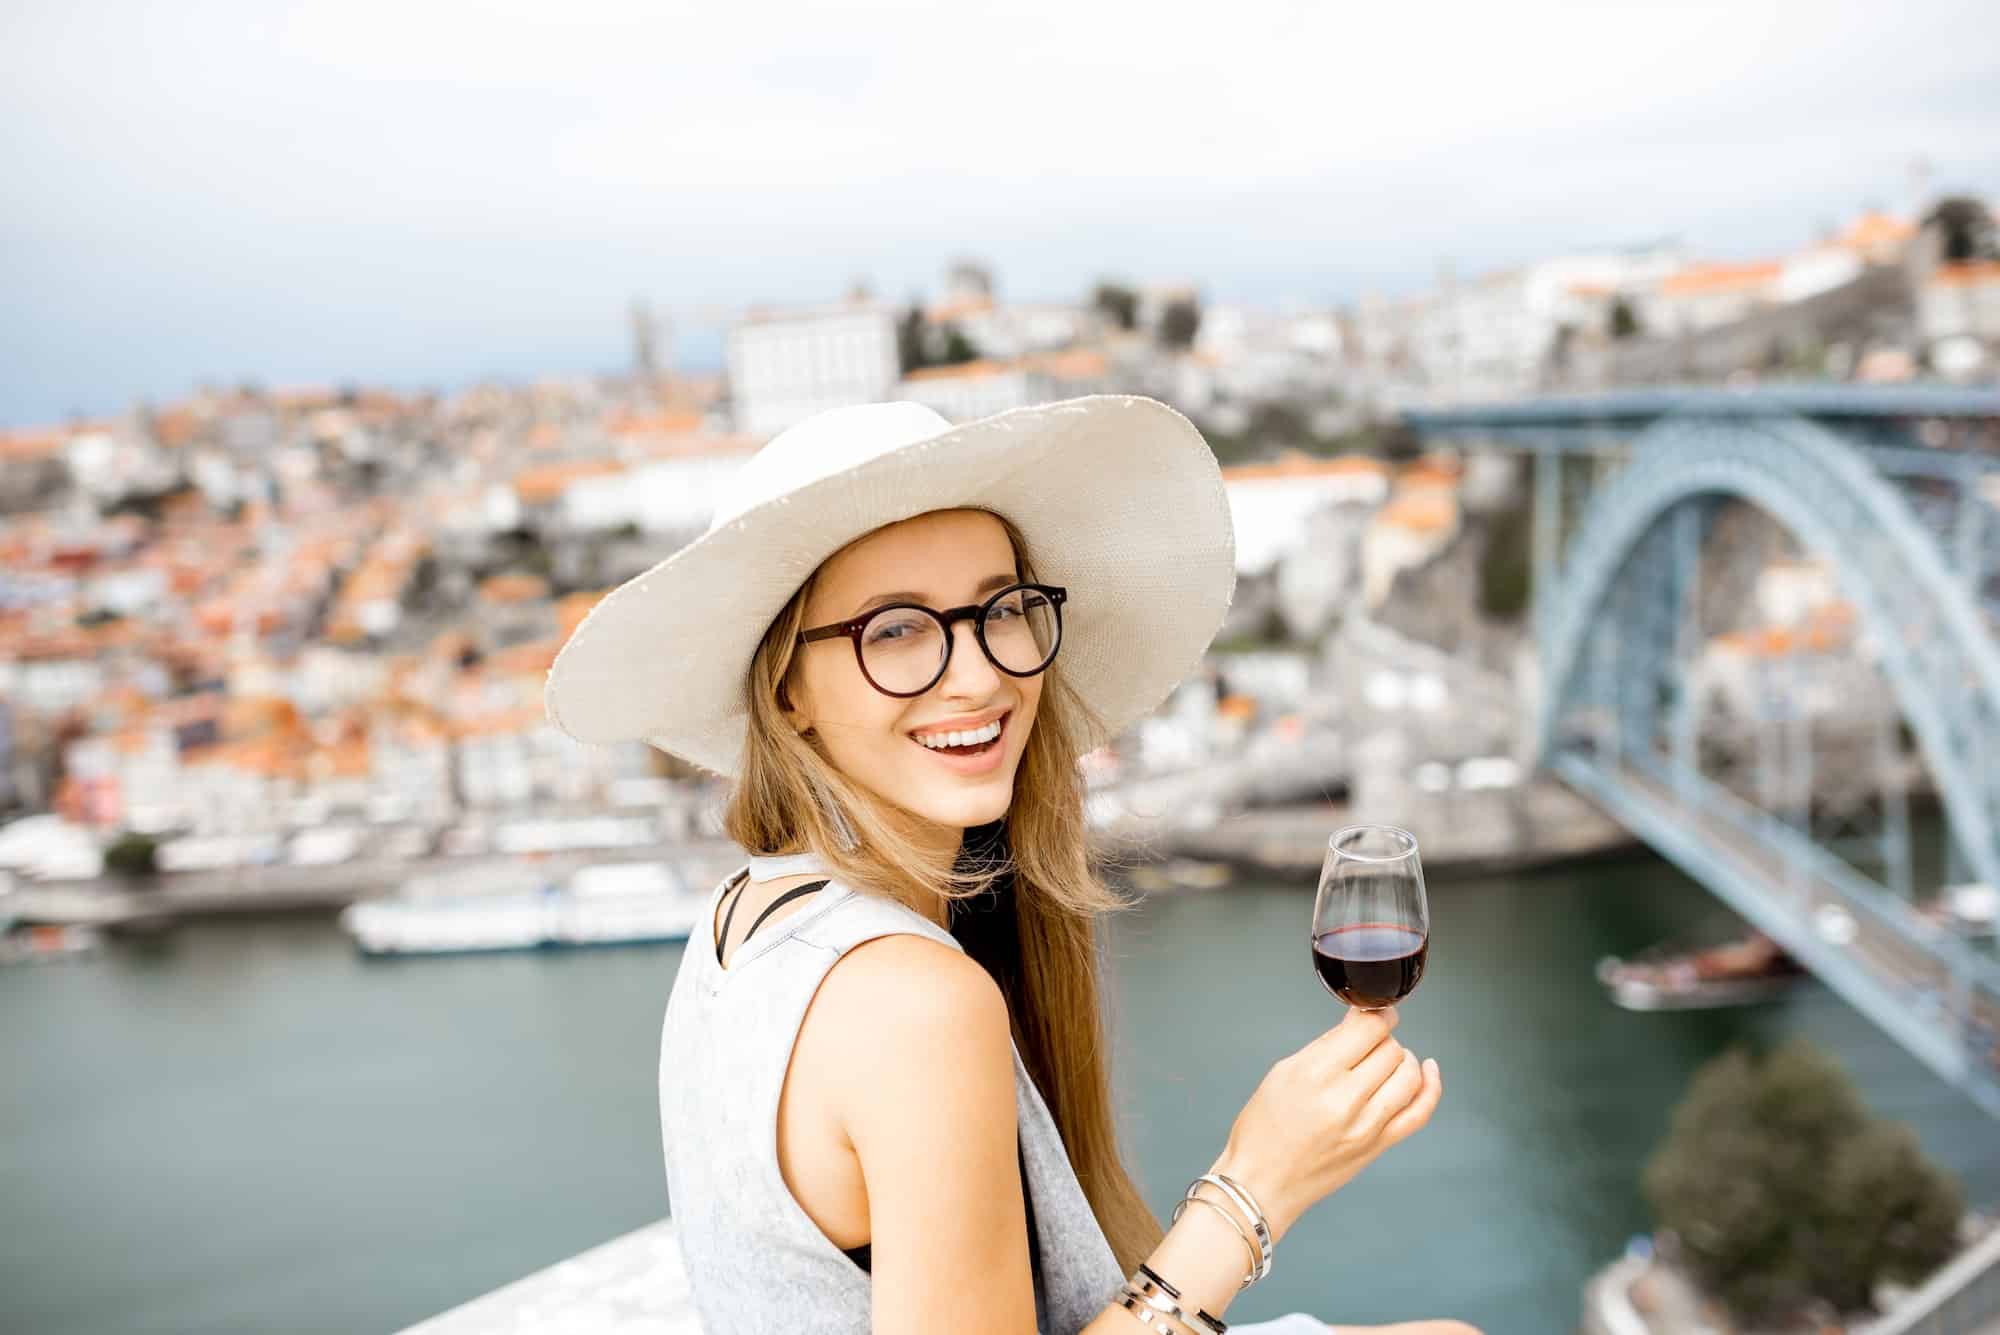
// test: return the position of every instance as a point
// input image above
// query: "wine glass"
(1371, 924)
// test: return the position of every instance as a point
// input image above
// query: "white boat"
(610, 904)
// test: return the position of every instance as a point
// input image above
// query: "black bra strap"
(797, 892)
(730, 916)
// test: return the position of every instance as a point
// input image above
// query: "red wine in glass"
(1371, 920)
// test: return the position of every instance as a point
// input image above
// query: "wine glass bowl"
(1371, 924)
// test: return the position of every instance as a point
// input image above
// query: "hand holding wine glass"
(1328, 1110)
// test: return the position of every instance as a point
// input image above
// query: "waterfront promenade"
(632, 1285)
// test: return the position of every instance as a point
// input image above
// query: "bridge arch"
(1936, 651)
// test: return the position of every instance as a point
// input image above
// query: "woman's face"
(944, 559)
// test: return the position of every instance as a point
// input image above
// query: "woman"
(883, 1093)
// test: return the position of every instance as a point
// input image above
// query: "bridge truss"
(1761, 619)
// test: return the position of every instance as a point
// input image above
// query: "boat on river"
(523, 909)
(42, 943)
(1737, 973)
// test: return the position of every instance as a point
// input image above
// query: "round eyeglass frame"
(973, 612)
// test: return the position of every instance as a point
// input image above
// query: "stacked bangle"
(1240, 1197)
(1230, 1219)
(1214, 1325)
(1152, 1296)
(1130, 1300)
(1156, 1303)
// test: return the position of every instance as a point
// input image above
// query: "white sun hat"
(1118, 496)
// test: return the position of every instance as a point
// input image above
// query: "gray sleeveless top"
(756, 1262)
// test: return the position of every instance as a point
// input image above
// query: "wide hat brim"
(1118, 496)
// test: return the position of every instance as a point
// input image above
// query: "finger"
(1403, 1085)
(1412, 1118)
(1370, 1073)
(1357, 1035)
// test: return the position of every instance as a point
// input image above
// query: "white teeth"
(973, 737)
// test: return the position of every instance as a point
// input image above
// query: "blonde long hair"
(789, 798)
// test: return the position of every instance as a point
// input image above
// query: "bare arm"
(926, 1097)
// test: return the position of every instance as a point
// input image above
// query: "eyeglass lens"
(903, 648)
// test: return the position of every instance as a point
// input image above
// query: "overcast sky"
(419, 193)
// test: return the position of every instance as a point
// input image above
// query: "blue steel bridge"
(1763, 617)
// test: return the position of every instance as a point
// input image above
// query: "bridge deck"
(1886, 970)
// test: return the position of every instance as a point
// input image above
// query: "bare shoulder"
(899, 1018)
(915, 989)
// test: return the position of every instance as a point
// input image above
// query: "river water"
(246, 1127)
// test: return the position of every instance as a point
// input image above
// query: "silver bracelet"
(1147, 1276)
(1138, 1307)
(1244, 1201)
(1229, 1219)
(1165, 1298)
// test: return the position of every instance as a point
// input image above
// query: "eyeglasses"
(904, 648)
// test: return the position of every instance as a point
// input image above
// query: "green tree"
(910, 338)
(1506, 575)
(1783, 1189)
(132, 854)
(1968, 229)
(955, 348)
(1118, 303)
(1179, 323)
(1624, 319)
(920, 343)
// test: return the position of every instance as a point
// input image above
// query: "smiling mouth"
(973, 748)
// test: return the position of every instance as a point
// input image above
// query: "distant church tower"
(645, 343)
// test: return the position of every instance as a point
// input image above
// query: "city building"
(786, 366)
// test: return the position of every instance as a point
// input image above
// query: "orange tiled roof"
(513, 587)
(34, 443)
(266, 757)
(1705, 279)
(1420, 512)
(545, 482)
(666, 423)
(1966, 273)
(1873, 229)
(1073, 364)
(1431, 470)
(1824, 630)
(532, 658)
(347, 758)
(175, 426)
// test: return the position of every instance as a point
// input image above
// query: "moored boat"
(610, 904)
(1737, 973)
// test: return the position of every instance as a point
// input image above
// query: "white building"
(1705, 296)
(1960, 301)
(1005, 333)
(787, 366)
(1494, 336)
(1270, 504)
(667, 496)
